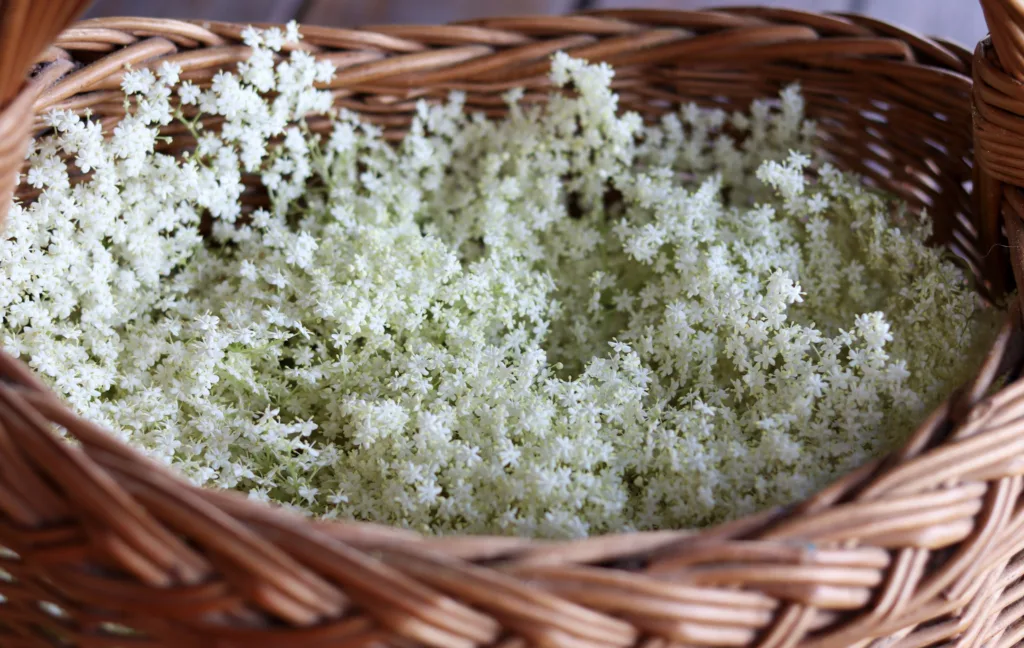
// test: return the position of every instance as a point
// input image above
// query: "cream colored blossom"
(462, 333)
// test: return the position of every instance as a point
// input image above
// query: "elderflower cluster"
(562, 323)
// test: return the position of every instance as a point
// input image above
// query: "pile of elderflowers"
(561, 323)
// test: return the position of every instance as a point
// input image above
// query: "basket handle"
(998, 95)
(27, 27)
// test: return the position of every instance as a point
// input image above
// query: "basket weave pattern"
(918, 549)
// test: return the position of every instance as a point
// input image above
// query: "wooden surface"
(959, 20)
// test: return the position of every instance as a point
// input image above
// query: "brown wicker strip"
(103, 547)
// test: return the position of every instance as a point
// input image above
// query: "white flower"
(275, 39)
(324, 71)
(252, 37)
(291, 33)
(138, 82)
(188, 93)
(169, 73)
(460, 334)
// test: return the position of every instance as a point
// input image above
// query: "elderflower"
(463, 333)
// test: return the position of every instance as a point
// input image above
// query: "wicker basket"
(919, 549)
